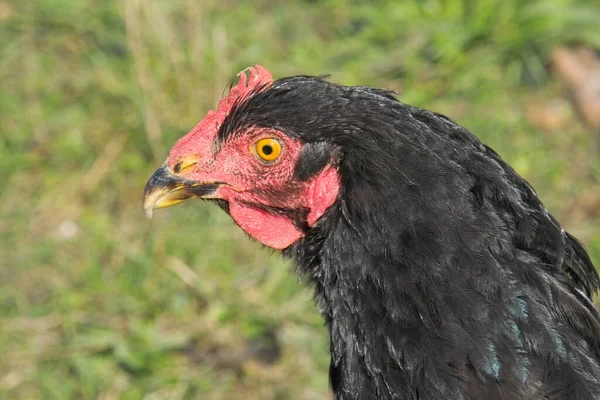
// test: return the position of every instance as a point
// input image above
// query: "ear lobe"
(322, 193)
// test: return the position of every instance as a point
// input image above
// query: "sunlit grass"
(98, 302)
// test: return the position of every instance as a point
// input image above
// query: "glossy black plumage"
(438, 271)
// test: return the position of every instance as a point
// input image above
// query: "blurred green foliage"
(97, 302)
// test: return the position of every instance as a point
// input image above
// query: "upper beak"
(165, 189)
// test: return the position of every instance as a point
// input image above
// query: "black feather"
(313, 158)
(438, 271)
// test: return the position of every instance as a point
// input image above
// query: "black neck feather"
(438, 271)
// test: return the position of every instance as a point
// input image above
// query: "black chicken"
(438, 271)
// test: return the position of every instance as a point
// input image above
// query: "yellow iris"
(268, 149)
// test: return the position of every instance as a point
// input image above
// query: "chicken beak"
(166, 189)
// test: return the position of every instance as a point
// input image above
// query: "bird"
(437, 270)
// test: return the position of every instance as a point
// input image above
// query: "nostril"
(184, 164)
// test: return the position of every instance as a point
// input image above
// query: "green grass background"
(96, 302)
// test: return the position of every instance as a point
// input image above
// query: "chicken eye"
(267, 149)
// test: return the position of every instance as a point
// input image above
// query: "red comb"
(257, 78)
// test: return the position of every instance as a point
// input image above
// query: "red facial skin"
(247, 178)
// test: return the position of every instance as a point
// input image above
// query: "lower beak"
(165, 189)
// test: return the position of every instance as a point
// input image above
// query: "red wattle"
(275, 231)
(278, 231)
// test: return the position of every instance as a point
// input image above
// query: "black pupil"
(267, 149)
